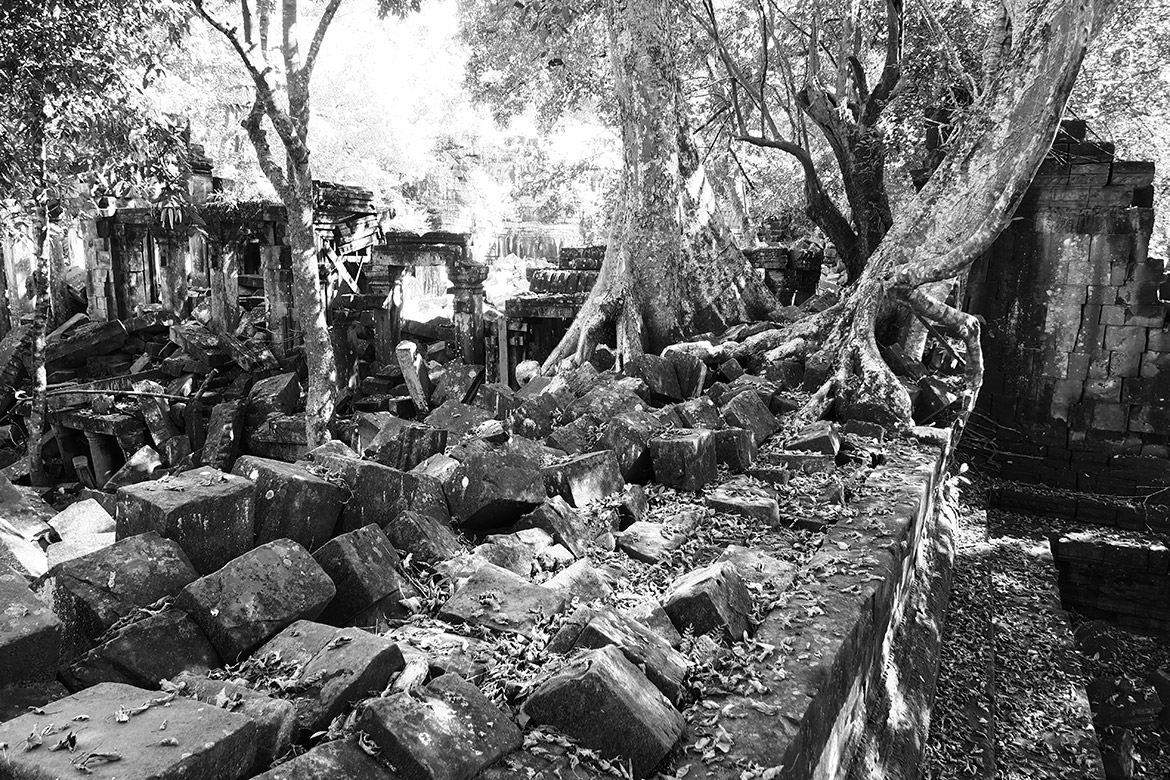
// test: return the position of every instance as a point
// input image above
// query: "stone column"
(467, 286)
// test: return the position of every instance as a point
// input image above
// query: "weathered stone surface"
(730, 370)
(510, 552)
(403, 444)
(257, 595)
(469, 657)
(337, 667)
(212, 743)
(501, 600)
(280, 394)
(415, 374)
(651, 614)
(580, 581)
(18, 699)
(275, 719)
(428, 539)
(736, 448)
(89, 594)
(685, 459)
(458, 382)
(710, 599)
(869, 430)
(379, 493)
(330, 449)
(746, 410)
(77, 545)
(446, 731)
(493, 486)
(30, 634)
(290, 502)
(649, 541)
(699, 412)
(691, 373)
(594, 628)
(497, 399)
(1117, 701)
(659, 375)
(747, 500)
(821, 437)
(575, 438)
(364, 568)
(138, 468)
(457, 419)
(584, 479)
(628, 435)
(603, 701)
(208, 512)
(142, 653)
(635, 504)
(754, 566)
(561, 521)
(608, 401)
(341, 759)
(225, 431)
(83, 517)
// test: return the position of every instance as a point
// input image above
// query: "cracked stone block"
(754, 566)
(575, 438)
(212, 743)
(30, 634)
(447, 730)
(256, 596)
(501, 600)
(690, 371)
(364, 568)
(736, 448)
(403, 444)
(493, 486)
(208, 512)
(820, 437)
(561, 521)
(497, 399)
(290, 502)
(378, 494)
(603, 702)
(594, 628)
(581, 581)
(747, 411)
(746, 500)
(89, 594)
(275, 719)
(338, 666)
(338, 759)
(585, 479)
(651, 614)
(659, 375)
(629, 435)
(458, 382)
(154, 648)
(699, 412)
(712, 599)
(280, 394)
(427, 539)
(685, 459)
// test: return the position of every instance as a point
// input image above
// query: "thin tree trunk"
(40, 330)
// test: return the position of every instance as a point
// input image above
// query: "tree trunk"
(40, 330)
(321, 395)
(670, 265)
(968, 201)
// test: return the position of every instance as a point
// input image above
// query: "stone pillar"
(467, 286)
(278, 291)
(388, 318)
(172, 270)
(223, 278)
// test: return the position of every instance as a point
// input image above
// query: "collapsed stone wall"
(1076, 338)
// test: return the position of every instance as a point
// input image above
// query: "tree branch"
(892, 70)
(319, 36)
(259, 140)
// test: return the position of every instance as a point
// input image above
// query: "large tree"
(282, 97)
(72, 122)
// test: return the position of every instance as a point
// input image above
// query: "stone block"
(364, 568)
(446, 731)
(16, 700)
(758, 567)
(603, 702)
(379, 493)
(651, 614)
(87, 516)
(338, 666)
(91, 593)
(208, 512)
(290, 502)
(457, 419)
(496, 598)
(403, 444)
(280, 394)
(684, 459)
(736, 448)
(157, 647)
(591, 629)
(138, 468)
(509, 553)
(747, 500)
(446, 652)
(493, 486)
(659, 375)
(821, 437)
(415, 374)
(275, 719)
(200, 741)
(869, 430)
(561, 521)
(581, 581)
(497, 399)
(576, 437)
(650, 542)
(30, 634)
(429, 540)
(690, 371)
(608, 401)
(584, 479)
(712, 599)
(730, 370)
(77, 545)
(458, 382)
(225, 432)
(339, 759)
(257, 595)
(629, 435)
(700, 412)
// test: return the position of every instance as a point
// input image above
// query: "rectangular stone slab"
(290, 502)
(213, 744)
(30, 634)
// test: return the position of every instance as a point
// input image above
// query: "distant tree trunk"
(670, 265)
(970, 199)
(41, 317)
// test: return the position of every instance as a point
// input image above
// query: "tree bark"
(670, 264)
(969, 200)
(40, 329)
